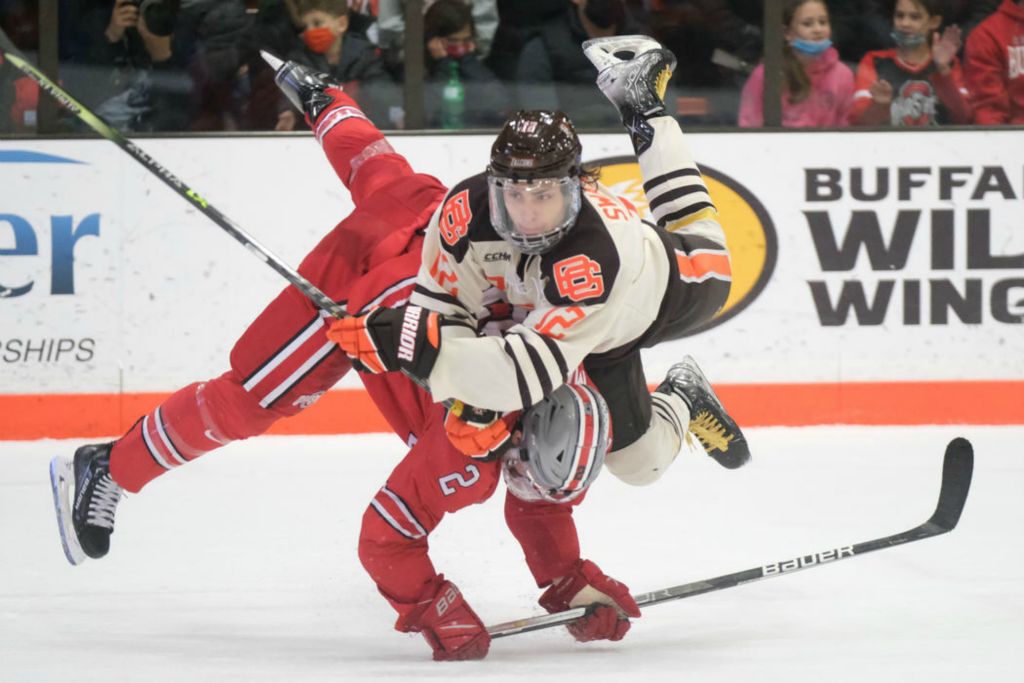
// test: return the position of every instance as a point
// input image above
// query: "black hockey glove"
(407, 338)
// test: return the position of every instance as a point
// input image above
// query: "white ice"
(242, 567)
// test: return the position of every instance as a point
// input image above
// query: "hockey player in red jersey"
(282, 363)
(587, 280)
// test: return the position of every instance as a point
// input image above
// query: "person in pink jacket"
(818, 87)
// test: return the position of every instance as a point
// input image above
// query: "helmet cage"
(506, 227)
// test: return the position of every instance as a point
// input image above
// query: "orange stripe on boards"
(350, 411)
(871, 403)
(66, 416)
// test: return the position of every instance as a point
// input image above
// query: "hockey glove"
(608, 602)
(407, 338)
(308, 90)
(448, 624)
(481, 434)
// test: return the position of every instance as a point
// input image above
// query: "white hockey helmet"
(565, 438)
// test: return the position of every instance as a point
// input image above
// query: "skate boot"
(636, 86)
(716, 431)
(85, 497)
(304, 87)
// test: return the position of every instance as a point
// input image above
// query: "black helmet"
(534, 180)
(536, 144)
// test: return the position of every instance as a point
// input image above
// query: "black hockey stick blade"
(957, 468)
(11, 54)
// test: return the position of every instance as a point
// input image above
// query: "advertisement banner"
(878, 277)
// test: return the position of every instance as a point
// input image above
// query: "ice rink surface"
(242, 567)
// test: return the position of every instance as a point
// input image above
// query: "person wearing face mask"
(552, 72)
(450, 34)
(350, 59)
(917, 83)
(818, 87)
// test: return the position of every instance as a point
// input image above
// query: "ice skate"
(709, 423)
(304, 87)
(636, 86)
(85, 497)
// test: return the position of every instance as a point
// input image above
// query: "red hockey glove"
(448, 624)
(608, 602)
(481, 434)
(407, 338)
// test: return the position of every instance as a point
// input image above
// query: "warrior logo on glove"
(406, 338)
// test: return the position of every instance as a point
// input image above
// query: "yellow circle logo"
(749, 233)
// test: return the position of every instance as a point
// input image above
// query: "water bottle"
(453, 100)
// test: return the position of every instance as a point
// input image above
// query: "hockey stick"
(957, 468)
(9, 52)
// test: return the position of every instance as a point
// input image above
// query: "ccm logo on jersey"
(807, 561)
(407, 338)
(578, 278)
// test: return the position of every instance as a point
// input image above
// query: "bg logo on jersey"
(748, 228)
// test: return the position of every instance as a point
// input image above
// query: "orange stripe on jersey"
(433, 335)
(702, 264)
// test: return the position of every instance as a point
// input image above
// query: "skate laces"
(103, 503)
(711, 433)
(661, 81)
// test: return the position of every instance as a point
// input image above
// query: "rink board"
(887, 288)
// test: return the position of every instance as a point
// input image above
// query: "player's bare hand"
(945, 47)
(881, 92)
(125, 15)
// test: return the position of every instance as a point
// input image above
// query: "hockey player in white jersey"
(588, 281)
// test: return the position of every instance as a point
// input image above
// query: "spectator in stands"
(218, 68)
(994, 65)
(695, 29)
(552, 72)
(967, 14)
(917, 83)
(130, 67)
(860, 26)
(450, 36)
(389, 29)
(348, 58)
(276, 27)
(519, 21)
(818, 88)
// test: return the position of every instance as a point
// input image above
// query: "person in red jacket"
(917, 83)
(994, 66)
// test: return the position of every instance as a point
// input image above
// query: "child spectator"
(818, 87)
(994, 66)
(348, 58)
(917, 83)
(450, 35)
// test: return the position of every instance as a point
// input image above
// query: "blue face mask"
(907, 40)
(810, 47)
